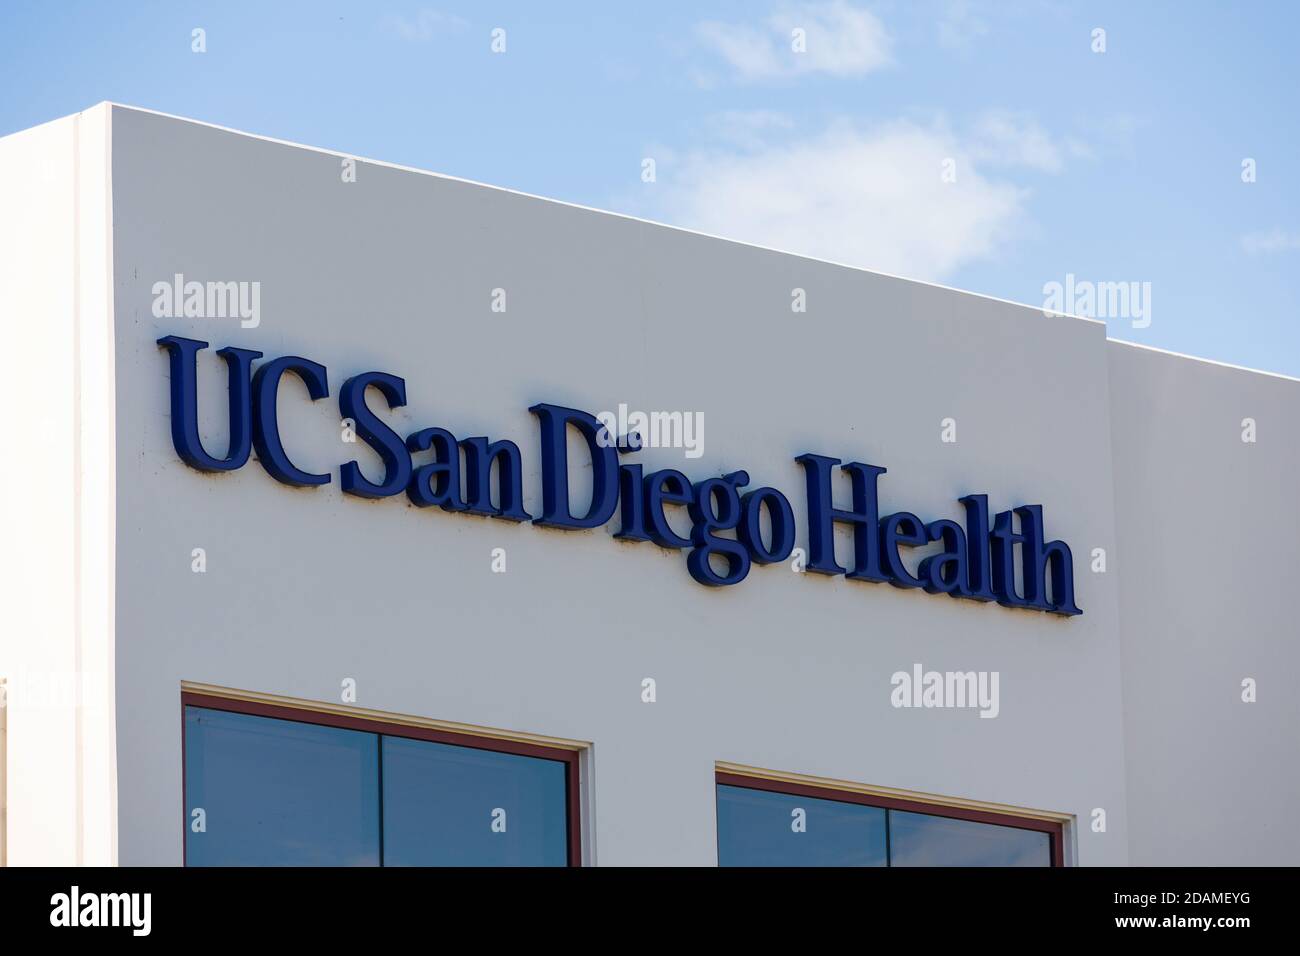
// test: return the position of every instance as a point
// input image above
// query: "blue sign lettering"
(726, 537)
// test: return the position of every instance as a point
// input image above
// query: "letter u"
(183, 356)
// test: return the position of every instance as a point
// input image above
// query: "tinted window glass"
(457, 806)
(918, 839)
(757, 828)
(279, 792)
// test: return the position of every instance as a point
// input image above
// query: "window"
(763, 822)
(271, 785)
(439, 801)
(267, 792)
(761, 828)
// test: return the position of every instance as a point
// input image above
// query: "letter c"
(266, 425)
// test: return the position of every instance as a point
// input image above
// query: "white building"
(500, 691)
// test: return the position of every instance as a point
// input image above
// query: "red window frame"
(389, 729)
(1055, 830)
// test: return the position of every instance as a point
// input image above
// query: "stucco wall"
(1209, 544)
(786, 671)
(56, 492)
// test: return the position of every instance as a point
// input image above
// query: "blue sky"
(1115, 166)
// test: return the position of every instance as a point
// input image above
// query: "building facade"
(356, 514)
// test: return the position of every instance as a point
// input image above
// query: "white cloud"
(1012, 139)
(841, 40)
(960, 27)
(1274, 240)
(748, 129)
(874, 199)
(1098, 136)
(423, 26)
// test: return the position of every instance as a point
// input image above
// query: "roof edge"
(1203, 361)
